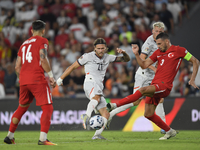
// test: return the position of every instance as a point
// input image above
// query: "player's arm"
(67, 72)
(46, 66)
(144, 63)
(18, 65)
(124, 58)
(144, 56)
(195, 63)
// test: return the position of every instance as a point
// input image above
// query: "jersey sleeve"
(83, 59)
(183, 53)
(20, 51)
(145, 48)
(153, 57)
(44, 44)
(112, 58)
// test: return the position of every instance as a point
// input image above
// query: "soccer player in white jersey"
(95, 64)
(144, 77)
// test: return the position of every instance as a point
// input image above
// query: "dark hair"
(99, 41)
(38, 25)
(163, 36)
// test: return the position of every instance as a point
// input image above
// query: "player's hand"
(59, 81)
(52, 82)
(192, 83)
(135, 48)
(120, 51)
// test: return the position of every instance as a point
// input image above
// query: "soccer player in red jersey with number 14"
(169, 58)
(31, 63)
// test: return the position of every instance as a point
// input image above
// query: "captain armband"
(188, 56)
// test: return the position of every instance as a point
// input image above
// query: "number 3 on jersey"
(27, 54)
(162, 62)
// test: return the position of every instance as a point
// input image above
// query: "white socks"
(10, 135)
(98, 132)
(160, 111)
(91, 106)
(43, 136)
(120, 109)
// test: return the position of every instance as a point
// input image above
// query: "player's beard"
(100, 54)
(164, 48)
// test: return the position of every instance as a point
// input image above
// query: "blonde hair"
(159, 25)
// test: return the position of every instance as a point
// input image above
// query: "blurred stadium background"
(71, 28)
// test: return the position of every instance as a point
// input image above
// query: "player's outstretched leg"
(111, 106)
(169, 134)
(116, 111)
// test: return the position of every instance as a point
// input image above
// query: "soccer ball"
(96, 122)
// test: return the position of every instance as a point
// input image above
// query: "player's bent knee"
(15, 120)
(161, 100)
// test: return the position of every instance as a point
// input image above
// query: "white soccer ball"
(96, 122)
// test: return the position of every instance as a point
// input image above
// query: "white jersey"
(95, 68)
(148, 48)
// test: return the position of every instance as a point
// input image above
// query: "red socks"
(129, 99)
(17, 114)
(158, 121)
(45, 120)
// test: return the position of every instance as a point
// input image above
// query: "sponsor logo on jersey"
(170, 55)
(159, 56)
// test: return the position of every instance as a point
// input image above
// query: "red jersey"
(168, 64)
(31, 69)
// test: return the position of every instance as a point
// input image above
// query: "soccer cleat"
(98, 137)
(169, 134)
(162, 131)
(86, 119)
(108, 124)
(47, 142)
(9, 141)
(110, 107)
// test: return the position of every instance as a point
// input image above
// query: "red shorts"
(41, 92)
(161, 91)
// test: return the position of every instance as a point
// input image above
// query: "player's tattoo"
(124, 58)
(43, 53)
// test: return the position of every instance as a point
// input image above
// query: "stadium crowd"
(72, 26)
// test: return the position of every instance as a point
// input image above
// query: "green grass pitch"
(116, 140)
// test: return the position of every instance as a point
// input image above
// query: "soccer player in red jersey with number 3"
(31, 63)
(169, 58)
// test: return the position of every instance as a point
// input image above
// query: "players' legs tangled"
(114, 110)
(90, 108)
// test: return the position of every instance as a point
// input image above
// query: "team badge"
(146, 49)
(81, 57)
(170, 55)
(186, 51)
(45, 46)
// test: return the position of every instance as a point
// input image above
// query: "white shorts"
(91, 89)
(141, 81)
